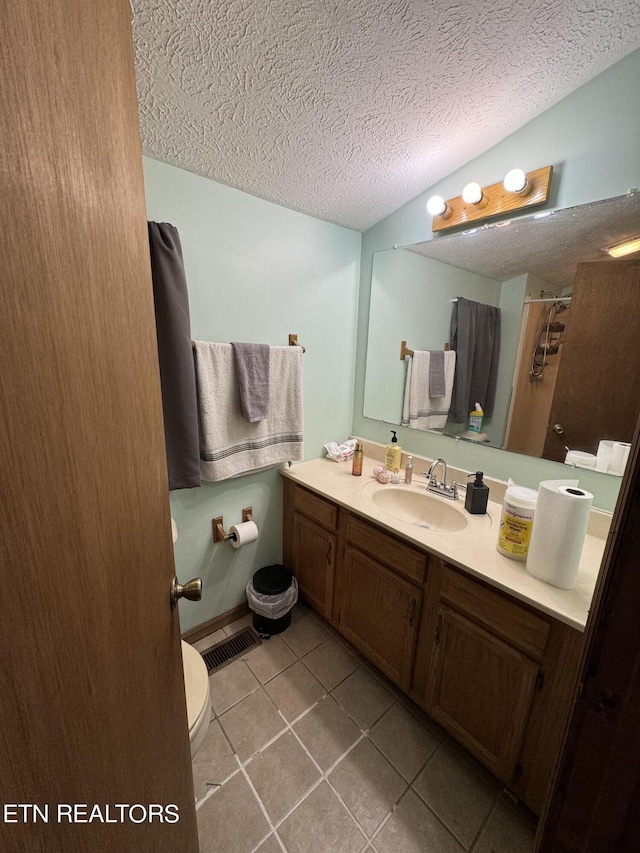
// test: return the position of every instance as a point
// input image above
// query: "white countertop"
(472, 549)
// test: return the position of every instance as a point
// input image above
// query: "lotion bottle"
(393, 454)
(356, 465)
(408, 471)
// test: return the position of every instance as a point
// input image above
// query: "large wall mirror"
(569, 365)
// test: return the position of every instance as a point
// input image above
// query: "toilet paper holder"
(220, 534)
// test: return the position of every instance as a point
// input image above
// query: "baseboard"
(200, 631)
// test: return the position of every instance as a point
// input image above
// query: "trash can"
(271, 594)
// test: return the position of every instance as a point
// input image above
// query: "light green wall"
(257, 272)
(591, 139)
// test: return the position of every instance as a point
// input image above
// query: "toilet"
(196, 684)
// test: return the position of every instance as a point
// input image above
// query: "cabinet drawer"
(387, 549)
(503, 617)
(316, 507)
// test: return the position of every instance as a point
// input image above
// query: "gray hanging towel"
(175, 354)
(475, 336)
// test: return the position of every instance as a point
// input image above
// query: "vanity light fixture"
(619, 250)
(518, 190)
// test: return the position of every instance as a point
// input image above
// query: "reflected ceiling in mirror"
(503, 264)
(548, 245)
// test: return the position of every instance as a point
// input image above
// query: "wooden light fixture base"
(498, 199)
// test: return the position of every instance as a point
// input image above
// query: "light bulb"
(516, 181)
(436, 205)
(472, 193)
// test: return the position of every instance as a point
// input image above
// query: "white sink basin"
(420, 508)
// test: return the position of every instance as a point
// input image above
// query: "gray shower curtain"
(175, 354)
(475, 336)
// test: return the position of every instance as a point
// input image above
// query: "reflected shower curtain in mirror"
(475, 336)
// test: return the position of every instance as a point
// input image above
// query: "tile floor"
(311, 750)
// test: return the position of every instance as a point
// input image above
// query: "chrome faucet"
(441, 488)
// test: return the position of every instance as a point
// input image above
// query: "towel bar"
(293, 342)
(405, 351)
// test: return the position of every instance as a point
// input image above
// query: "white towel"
(229, 445)
(421, 411)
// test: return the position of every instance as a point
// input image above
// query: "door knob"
(191, 589)
(558, 429)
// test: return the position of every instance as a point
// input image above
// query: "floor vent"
(228, 650)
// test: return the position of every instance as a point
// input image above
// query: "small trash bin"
(271, 594)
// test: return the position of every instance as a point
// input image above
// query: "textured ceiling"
(347, 109)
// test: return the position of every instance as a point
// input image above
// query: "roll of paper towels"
(559, 528)
(619, 457)
(244, 533)
(603, 457)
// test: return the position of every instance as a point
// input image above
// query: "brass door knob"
(191, 589)
(558, 429)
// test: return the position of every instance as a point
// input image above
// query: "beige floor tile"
(282, 774)
(331, 663)
(321, 824)
(413, 828)
(327, 732)
(269, 659)
(368, 784)
(214, 761)
(294, 691)
(231, 684)
(303, 635)
(363, 697)
(406, 742)
(505, 832)
(251, 724)
(299, 609)
(459, 797)
(231, 820)
(271, 845)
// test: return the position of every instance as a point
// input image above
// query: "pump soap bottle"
(393, 455)
(477, 496)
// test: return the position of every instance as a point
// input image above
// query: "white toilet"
(196, 683)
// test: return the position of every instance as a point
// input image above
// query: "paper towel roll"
(603, 457)
(559, 528)
(245, 532)
(580, 459)
(619, 457)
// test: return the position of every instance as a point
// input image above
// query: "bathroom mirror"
(526, 267)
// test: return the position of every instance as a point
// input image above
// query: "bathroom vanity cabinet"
(497, 674)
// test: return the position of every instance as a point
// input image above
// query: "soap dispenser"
(393, 454)
(477, 496)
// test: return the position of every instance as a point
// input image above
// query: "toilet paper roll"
(559, 528)
(245, 533)
(619, 457)
(580, 459)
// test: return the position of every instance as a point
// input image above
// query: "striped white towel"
(421, 411)
(229, 445)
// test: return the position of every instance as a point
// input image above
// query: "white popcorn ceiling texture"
(347, 109)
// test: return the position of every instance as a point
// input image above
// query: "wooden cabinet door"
(379, 613)
(481, 690)
(313, 562)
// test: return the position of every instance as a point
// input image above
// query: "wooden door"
(598, 387)
(91, 687)
(313, 562)
(379, 614)
(481, 690)
(595, 806)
